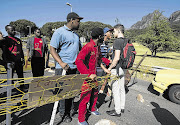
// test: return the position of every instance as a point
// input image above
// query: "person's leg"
(47, 61)
(19, 70)
(61, 102)
(84, 99)
(122, 88)
(69, 102)
(41, 64)
(116, 92)
(34, 67)
(93, 99)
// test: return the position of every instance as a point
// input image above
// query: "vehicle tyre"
(174, 93)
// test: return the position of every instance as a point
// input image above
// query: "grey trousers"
(65, 105)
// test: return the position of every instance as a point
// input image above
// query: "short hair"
(6, 27)
(119, 27)
(37, 29)
(96, 32)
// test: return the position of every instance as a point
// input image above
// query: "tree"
(48, 28)
(21, 26)
(132, 34)
(84, 29)
(159, 35)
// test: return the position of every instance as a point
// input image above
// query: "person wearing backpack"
(118, 69)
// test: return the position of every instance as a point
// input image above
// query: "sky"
(106, 11)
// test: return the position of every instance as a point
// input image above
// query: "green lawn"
(163, 59)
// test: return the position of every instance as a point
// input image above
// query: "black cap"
(96, 32)
(73, 15)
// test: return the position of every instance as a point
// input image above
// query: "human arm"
(81, 58)
(115, 60)
(55, 45)
(102, 59)
(28, 49)
(105, 69)
(58, 59)
(46, 50)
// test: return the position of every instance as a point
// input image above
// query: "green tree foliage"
(84, 29)
(48, 28)
(21, 26)
(176, 28)
(133, 33)
(159, 36)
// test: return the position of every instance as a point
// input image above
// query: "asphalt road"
(155, 110)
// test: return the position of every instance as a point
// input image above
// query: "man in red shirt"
(86, 62)
(36, 50)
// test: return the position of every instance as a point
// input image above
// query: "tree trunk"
(155, 51)
(152, 52)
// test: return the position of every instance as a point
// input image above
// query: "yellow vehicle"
(168, 80)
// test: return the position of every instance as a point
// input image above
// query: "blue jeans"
(65, 105)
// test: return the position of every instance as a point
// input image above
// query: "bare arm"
(27, 53)
(57, 58)
(105, 69)
(115, 60)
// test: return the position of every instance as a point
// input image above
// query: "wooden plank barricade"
(48, 90)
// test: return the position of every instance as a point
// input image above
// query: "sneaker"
(113, 113)
(61, 117)
(75, 115)
(122, 110)
(95, 113)
(67, 119)
(83, 123)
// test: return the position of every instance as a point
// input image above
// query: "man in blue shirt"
(64, 48)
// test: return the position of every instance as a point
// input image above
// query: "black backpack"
(127, 57)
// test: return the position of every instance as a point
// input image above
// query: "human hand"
(23, 61)
(110, 61)
(29, 59)
(107, 71)
(65, 66)
(92, 76)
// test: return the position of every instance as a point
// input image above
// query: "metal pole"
(69, 5)
(55, 105)
(29, 30)
(9, 82)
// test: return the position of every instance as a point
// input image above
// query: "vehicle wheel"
(174, 93)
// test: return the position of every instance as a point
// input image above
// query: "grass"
(163, 59)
